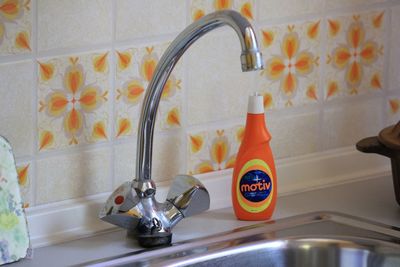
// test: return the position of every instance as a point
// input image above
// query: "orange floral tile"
(135, 68)
(15, 26)
(73, 100)
(24, 178)
(393, 109)
(355, 54)
(199, 8)
(213, 150)
(291, 71)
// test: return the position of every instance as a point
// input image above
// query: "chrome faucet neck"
(250, 58)
(133, 204)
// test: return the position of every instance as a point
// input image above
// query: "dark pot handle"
(372, 145)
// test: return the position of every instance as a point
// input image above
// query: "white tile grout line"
(184, 100)
(256, 78)
(386, 61)
(288, 19)
(88, 49)
(322, 78)
(257, 29)
(113, 70)
(361, 8)
(35, 89)
(33, 182)
(257, 12)
(387, 56)
(392, 90)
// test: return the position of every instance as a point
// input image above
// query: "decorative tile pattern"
(393, 110)
(15, 26)
(355, 54)
(24, 181)
(135, 68)
(213, 150)
(73, 100)
(199, 8)
(290, 76)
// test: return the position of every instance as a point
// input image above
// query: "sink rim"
(345, 243)
(391, 233)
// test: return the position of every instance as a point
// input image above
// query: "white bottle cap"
(256, 104)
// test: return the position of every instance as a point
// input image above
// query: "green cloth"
(14, 238)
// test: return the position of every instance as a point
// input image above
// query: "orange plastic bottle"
(254, 186)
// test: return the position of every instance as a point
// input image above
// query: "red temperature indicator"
(118, 200)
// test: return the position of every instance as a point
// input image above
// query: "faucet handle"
(121, 207)
(188, 195)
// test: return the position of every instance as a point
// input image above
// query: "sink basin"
(314, 239)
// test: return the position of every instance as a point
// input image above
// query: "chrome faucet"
(133, 205)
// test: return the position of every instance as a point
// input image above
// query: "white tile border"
(73, 219)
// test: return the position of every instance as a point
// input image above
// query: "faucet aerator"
(251, 61)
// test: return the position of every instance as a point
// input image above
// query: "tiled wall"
(73, 74)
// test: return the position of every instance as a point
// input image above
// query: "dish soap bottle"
(254, 186)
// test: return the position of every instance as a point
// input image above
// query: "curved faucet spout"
(251, 59)
(133, 204)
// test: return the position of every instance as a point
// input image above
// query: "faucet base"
(150, 240)
(148, 220)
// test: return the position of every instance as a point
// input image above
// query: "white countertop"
(371, 199)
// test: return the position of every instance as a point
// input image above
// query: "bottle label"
(255, 186)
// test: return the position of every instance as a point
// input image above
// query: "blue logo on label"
(255, 186)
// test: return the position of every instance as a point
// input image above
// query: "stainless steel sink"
(315, 239)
